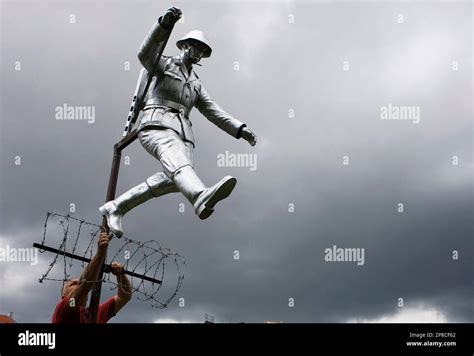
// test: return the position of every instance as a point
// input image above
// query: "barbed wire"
(148, 258)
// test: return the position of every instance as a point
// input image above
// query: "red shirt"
(80, 315)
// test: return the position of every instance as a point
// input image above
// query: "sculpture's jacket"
(173, 93)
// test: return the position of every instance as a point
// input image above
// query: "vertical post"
(114, 171)
(112, 186)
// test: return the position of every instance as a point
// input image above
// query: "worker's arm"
(91, 272)
(124, 293)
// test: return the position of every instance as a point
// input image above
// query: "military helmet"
(196, 35)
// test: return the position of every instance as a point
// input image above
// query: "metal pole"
(96, 289)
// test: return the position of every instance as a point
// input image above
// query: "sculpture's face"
(194, 51)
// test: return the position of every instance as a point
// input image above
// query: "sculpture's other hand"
(249, 136)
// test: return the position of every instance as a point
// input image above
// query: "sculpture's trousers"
(173, 154)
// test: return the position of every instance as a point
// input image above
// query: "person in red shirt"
(72, 309)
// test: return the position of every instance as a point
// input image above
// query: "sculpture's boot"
(114, 210)
(202, 198)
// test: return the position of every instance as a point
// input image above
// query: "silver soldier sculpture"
(165, 128)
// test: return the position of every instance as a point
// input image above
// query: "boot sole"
(103, 211)
(223, 192)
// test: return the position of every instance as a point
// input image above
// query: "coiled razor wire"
(149, 258)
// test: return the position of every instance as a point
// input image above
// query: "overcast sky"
(335, 65)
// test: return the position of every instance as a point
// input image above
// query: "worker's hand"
(104, 240)
(170, 17)
(249, 136)
(116, 268)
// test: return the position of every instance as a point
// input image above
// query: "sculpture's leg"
(176, 156)
(114, 210)
(160, 184)
(203, 199)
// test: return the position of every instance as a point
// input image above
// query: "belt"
(157, 101)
